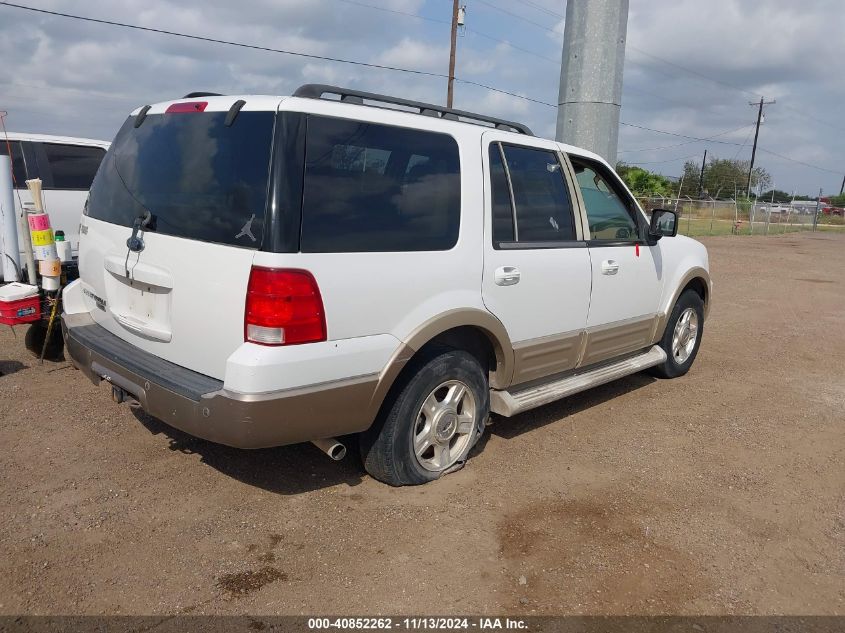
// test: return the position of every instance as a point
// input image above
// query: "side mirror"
(664, 223)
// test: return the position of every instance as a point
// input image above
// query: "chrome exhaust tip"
(331, 447)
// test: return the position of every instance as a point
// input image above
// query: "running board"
(511, 403)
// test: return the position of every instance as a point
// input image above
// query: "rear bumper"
(200, 406)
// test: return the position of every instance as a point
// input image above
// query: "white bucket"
(50, 283)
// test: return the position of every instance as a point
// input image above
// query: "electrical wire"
(543, 9)
(267, 49)
(396, 11)
(517, 16)
(694, 138)
(697, 140)
(800, 162)
(744, 143)
(668, 160)
(404, 70)
(448, 23)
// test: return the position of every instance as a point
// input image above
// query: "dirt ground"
(719, 493)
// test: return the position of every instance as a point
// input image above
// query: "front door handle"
(507, 276)
(609, 267)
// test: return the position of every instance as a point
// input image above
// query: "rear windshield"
(199, 178)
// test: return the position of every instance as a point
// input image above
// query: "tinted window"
(72, 166)
(378, 188)
(198, 177)
(501, 202)
(18, 169)
(607, 214)
(543, 206)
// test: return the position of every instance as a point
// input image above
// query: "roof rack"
(194, 95)
(316, 91)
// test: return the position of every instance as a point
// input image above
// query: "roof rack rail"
(316, 91)
(194, 95)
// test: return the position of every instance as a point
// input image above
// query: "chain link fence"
(732, 217)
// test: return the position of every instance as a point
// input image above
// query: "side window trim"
(624, 196)
(510, 191)
(568, 181)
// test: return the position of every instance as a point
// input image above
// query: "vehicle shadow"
(285, 470)
(300, 468)
(508, 428)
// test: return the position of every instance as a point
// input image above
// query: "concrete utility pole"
(701, 176)
(451, 87)
(590, 94)
(756, 134)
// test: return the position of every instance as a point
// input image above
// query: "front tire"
(431, 420)
(682, 337)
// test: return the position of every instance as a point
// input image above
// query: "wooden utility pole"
(701, 177)
(451, 88)
(756, 134)
(842, 188)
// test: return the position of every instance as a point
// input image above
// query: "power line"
(512, 45)
(267, 49)
(543, 9)
(670, 160)
(694, 138)
(709, 138)
(692, 72)
(517, 16)
(800, 162)
(744, 143)
(448, 23)
(378, 66)
(396, 11)
(730, 85)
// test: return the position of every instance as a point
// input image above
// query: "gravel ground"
(719, 493)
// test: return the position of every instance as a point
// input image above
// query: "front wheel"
(682, 337)
(432, 420)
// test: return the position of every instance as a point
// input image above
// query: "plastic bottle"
(63, 248)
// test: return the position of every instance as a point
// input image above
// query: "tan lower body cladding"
(551, 355)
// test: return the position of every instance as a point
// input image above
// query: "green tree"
(779, 196)
(643, 182)
(837, 201)
(723, 178)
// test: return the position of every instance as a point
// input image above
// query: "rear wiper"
(135, 243)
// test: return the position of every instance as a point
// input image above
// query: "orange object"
(49, 267)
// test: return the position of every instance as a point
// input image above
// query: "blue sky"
(80, 79)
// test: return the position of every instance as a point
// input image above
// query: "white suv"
(260, 271)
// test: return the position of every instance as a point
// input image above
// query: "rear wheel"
(682, 337)
(431, 421)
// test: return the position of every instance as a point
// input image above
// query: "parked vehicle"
(66, 167)
(260, 271)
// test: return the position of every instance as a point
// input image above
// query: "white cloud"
(77, 78)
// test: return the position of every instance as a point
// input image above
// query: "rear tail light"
(283, 307)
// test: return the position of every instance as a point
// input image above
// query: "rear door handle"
(609, 267)
(507, 276)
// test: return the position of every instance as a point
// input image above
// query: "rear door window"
(378, 188)
(70, 167)
(200, 178)
(529, 187)
(18, 166)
